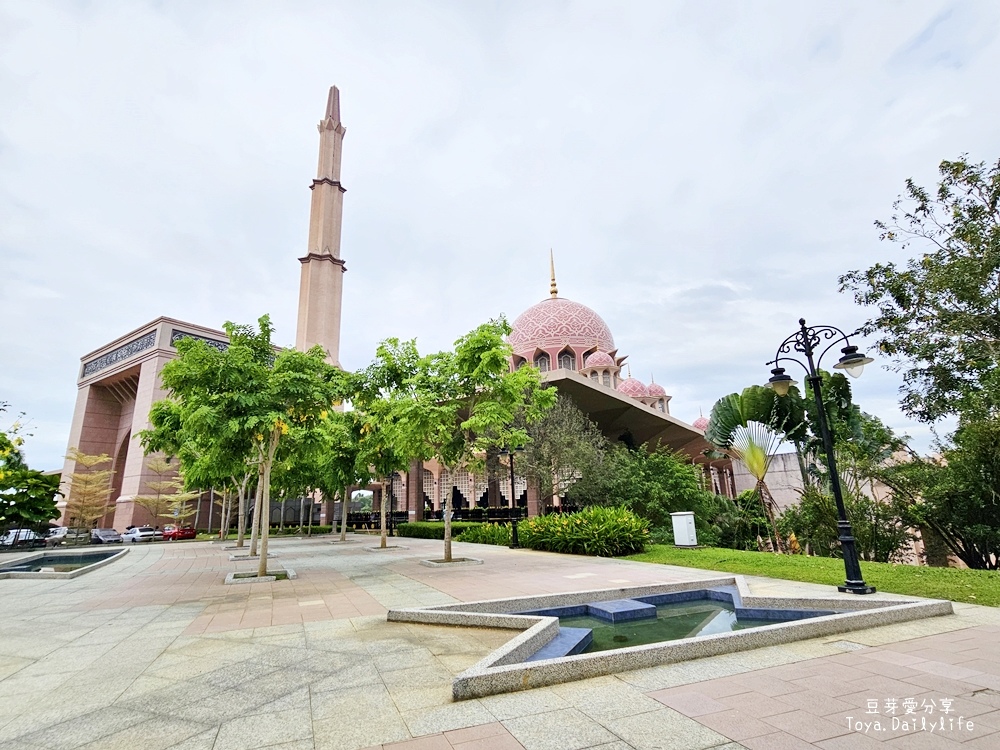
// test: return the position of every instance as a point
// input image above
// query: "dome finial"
(553, 290)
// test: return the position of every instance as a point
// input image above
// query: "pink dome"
(599, 359)
(700, 423)
(633, 387)
(656, 390)
(556, 322)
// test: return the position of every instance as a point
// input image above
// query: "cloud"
(703, 172)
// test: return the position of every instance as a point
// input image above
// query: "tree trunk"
(265, 518)
(447, 525)
(381, 520)
(254, 530)
(770, 509)
(224, 517)
(309, 528)
(302, 511)
(241, 512)
(344, 509)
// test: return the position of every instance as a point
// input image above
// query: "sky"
(702, 171)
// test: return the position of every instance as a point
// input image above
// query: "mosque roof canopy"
(616, 414)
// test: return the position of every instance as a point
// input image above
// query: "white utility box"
(684, 533)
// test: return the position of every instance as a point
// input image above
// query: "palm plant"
(751, 426)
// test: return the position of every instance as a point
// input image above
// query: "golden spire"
(553, 289)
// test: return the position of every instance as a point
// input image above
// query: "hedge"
(487, 533)
(604, 532)
(433, 529)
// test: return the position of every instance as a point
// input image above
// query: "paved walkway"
(154, 651)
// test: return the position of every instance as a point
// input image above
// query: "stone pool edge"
(58, 576)
(504, 670)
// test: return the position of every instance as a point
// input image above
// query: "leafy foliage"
(166, 496)
(89, 489)
(652, 484)
(565, 445)
(488, 533)
(880, 526)
(433, 529)
(741, 522)
(237, 406)
(604, 532)
(460, 405)
(937, 317)
(27, 496)
(958, 496)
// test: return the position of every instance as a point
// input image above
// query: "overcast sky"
(704, 171)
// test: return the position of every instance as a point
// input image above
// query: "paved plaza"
(153, 651)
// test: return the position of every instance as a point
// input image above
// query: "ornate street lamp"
(807, 341)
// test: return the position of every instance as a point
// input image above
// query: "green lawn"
(973, 586)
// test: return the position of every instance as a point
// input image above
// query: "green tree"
(27, 496)
(565, 445)
(652, 484)
(166, 497)
(383, 396)
(468, 401)
(89, 489)
(340, 465)
(751, 426)
(208, 458)
(937, 316)
(250, 395)
(958, 495)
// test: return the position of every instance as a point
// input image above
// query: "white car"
(142, 534)
(21, 538)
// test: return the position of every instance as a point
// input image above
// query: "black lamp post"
(807, 341)
(515, 512)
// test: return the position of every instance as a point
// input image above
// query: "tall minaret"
(322, 284)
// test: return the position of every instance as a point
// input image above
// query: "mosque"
(567, 341)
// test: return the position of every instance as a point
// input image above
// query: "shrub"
(433, 529)
(605, 532)
(487, 533)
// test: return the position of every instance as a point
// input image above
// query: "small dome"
(599, 359)
(700, 423)
(656, 390)
(633, 388)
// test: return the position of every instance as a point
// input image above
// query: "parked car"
(21, 538)
(105, 536)
(76, 536)
(142, 534)
(171, 533)
(57, 536)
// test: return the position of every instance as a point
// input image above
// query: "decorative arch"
(542, 361)
(566, 360)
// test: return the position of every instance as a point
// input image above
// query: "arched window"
(567, 361)
(593, 375)
(542, 362)
(607, 378)
(661, 406)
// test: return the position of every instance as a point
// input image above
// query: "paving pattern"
(154, 651)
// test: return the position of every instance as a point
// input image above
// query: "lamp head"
(780, 382)
(853, 362)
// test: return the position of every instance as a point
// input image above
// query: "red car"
(172, 533)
